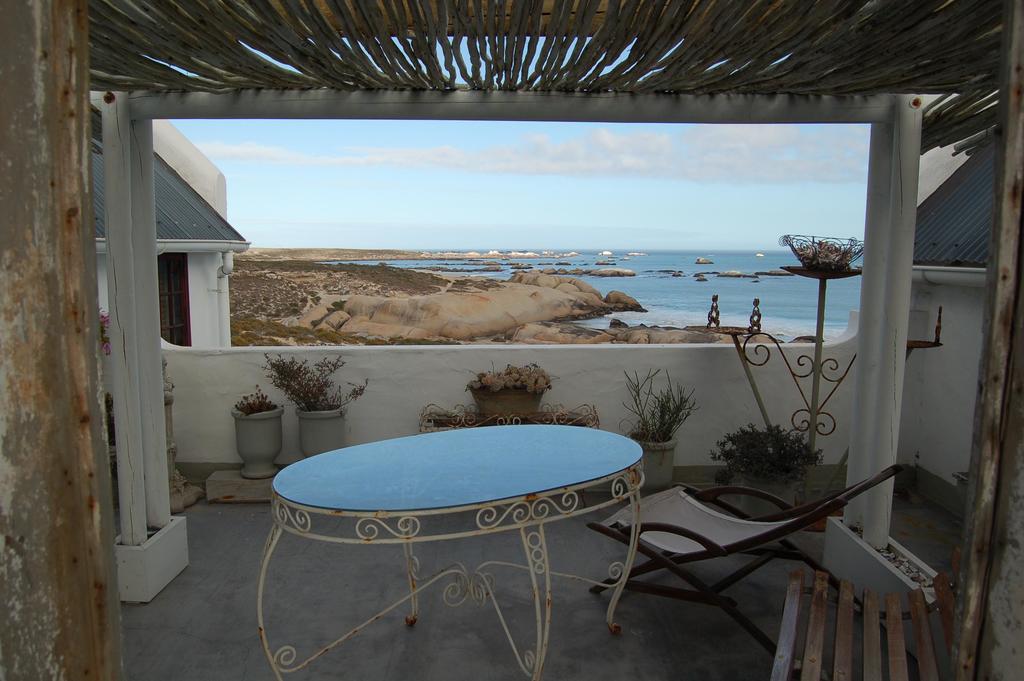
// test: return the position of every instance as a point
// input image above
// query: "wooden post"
(991, 608)
(61, 617)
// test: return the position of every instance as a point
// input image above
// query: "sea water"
(788, 304)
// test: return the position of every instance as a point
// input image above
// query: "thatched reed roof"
(813, 47)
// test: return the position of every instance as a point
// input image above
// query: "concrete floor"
(203, 625)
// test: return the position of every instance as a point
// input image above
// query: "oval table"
(450, 485)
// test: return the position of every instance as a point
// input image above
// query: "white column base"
(143, 571)
(849, 557)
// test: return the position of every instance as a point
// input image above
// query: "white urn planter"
(258, 441)
(320, 431)
(659, 462)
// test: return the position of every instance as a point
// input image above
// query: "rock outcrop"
(703, 261)
(624, 302)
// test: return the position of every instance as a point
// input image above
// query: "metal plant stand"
(812, 418)
(435, 417)
(817, 369)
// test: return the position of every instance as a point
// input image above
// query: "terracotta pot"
(320, 431)
(507, 401)
(659, 462)
(258, 441)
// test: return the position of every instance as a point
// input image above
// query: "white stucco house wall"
(954, 219)
(196, 244)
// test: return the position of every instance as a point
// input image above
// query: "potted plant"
(319, 402)
(513, 390)
(657, 416)
(770, 459)
(257, 434)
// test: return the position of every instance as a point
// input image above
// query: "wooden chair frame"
(763, 547)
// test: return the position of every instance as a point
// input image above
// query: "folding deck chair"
(679, 526)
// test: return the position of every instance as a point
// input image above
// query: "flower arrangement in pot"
(657, 417)
(770, 459)
(319, 402)
(512, 390)
(257, 434)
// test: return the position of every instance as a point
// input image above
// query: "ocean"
(788, 304)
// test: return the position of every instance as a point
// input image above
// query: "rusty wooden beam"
(61, 618)
(991, 612)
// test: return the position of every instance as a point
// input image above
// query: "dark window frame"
(172, 287)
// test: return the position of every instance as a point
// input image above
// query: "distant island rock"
(703, 261)
(579, 271)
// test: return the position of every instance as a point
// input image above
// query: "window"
(172, 271)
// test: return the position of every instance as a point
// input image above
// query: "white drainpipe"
(950, 276)
(223, 272)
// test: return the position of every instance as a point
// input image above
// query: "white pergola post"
(884, 312)
(147, 325)
(145, 562)
(124, 359)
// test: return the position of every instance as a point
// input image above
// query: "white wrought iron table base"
(528, 515)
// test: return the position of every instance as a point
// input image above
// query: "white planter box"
(143, 571)
(849, 557)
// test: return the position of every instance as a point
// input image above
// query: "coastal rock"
(614, 323)
(312, 316)
(464, 316)
(735, 274)
(550, 281)
(553, 332)
(361, 326)
(642, 335)
(623, 301)
(335, 319)
(775, 273)
(703, 261)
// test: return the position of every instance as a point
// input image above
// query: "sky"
(562, 186)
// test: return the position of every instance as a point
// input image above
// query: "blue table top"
(455, 468)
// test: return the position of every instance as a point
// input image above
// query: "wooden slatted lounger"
(896, 661)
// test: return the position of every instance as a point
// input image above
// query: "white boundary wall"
(942, 383)
(403, 379)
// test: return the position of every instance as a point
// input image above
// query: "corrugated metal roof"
(954, 222)
(180, 212)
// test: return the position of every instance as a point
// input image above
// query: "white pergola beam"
(121, 296)
(147, 325)
(462, 105)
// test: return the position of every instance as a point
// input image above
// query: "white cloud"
(708, 153)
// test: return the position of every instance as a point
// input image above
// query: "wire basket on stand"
(823, 254)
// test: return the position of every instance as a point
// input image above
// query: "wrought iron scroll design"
(520, 512)
(757, 352)
(290, 517)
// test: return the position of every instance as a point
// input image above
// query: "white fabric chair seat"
(675, 507)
